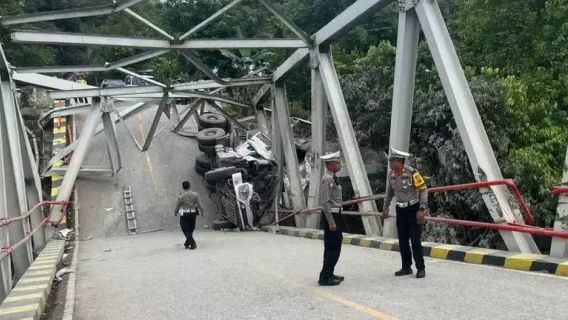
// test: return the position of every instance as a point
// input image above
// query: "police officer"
(188, 208)
(408, 187)
(330, 200)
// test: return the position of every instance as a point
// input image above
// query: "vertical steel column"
(559, 247)
(262, 122)
(107, 106)
(348, 141)
(477, 146)
(174, 118)
(6, 205)
(287, 138)
(33, 186)
(277, 151)
(403, 94)
(87, 134)
(319, 117)
(21, 257)
(13, 127)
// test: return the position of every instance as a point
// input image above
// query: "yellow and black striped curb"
(27, 300)
(59, 143)
(505, 259)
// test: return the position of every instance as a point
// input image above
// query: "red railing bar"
(507, 227)
(559, 189)
(5, 222)
(529, 217)
(6, 251)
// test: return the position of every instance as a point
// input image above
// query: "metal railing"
(507, 226)
(6, 251)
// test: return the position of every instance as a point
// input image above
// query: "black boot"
(403, 272)
(339, 278)
(420, 274)
(329, 282)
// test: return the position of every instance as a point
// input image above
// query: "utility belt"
(188, 212)
(407, 203)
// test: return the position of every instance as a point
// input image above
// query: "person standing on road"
(408, 187)
(188, 208)
(330, 199)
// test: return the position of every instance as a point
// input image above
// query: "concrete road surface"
(155, 177)
(258, 275)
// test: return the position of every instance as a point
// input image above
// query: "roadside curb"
(498, 258)
(27, 299)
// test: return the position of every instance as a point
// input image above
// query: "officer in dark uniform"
(408, 187)
(331, 223)
(188, 208)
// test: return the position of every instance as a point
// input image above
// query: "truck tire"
(199, 169)
(210, 186)
(222, 173)
(221, 224)
(203, 161)
(211, 136)
(212, 120)
(207, 149)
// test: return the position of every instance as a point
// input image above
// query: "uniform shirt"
(406, 186)
(187, 200)
(330, 196)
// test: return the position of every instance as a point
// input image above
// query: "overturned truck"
(238, 169)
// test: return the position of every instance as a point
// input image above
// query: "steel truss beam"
(69, 14)
(283, 122)
(10, 186)
(194, 59)
(13, 127)
(136, 75)
(110, 133)
(319, 128)
(559, 247)
(287, 22)
(83, 143)
(38, 37)
(207, 21)
(217, 106)
(8, 203)
(403, 95)
(155, 122)
(107, 67)
(348, 141)
(207, 84)
(84, 171)
(122, 115)
(149, 24)
(355, 13)
(477, 145)
(49, 82)
(34, 193)
(146, 90)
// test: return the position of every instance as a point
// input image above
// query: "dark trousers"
(332, 241)
(187, 224)
(409, 229)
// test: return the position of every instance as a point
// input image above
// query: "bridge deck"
(264, 276)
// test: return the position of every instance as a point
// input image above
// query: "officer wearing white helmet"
(408, 187)
(330, 199)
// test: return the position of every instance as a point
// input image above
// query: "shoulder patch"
(418, 181)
